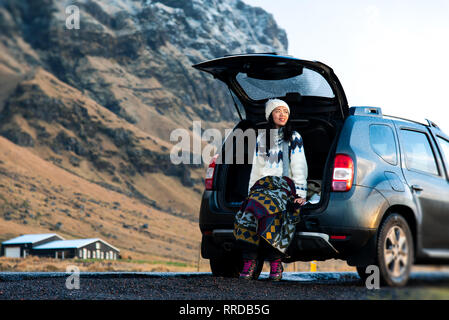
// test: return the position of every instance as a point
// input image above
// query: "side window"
(418, 152)
(382, 141)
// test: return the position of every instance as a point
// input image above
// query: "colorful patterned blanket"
(268, 212)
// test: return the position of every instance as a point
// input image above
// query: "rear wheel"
(395, 251)
(229, 266)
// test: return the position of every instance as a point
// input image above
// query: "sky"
(390, 54)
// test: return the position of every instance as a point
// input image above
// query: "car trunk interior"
(318, 133)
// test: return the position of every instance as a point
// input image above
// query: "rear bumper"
(305, 246)
(308, 246)
(349, 221)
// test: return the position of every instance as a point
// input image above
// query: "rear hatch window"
(308, 83)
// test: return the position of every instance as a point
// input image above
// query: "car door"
(424, 173)
(442, 142)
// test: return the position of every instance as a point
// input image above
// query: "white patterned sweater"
(272, 165)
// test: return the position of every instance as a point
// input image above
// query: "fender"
(404, 203)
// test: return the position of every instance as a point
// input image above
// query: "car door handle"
(415, 187)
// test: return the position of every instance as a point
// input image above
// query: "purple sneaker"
(249, 268)
(276, 269)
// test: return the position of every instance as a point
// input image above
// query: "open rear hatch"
(254, 78)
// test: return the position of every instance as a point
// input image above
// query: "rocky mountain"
(100, 101)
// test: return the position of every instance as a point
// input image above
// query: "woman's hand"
(299, 200)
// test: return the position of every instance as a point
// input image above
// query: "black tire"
(361, 271)
(228, 267)
(395, 251)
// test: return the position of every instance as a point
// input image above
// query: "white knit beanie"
(272, 104)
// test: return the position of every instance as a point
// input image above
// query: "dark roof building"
(78, 248)
(22, 246)
(54, 246)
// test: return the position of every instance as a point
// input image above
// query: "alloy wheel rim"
(396, 252)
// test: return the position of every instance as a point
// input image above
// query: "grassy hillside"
(36, 196)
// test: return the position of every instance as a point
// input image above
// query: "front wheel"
(361, 271)
(395, 251)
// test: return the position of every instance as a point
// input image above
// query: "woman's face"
(280, 116)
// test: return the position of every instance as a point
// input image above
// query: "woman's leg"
(248, 250)
(268, 252)
(249, 255)
(274, 256)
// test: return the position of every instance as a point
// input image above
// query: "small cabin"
(22, 246)
(78, 248)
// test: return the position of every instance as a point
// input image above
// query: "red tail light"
(210, 173)
(343, 175)
(338, 237)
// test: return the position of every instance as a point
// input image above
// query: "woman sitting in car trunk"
(265, 224)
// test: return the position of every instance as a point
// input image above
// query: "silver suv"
(378, 185)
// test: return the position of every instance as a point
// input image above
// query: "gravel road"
(203, 286)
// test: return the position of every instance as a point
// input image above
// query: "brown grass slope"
(37, 196)
(60, 124)
(65, 137)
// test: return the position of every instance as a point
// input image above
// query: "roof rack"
(417, 122)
